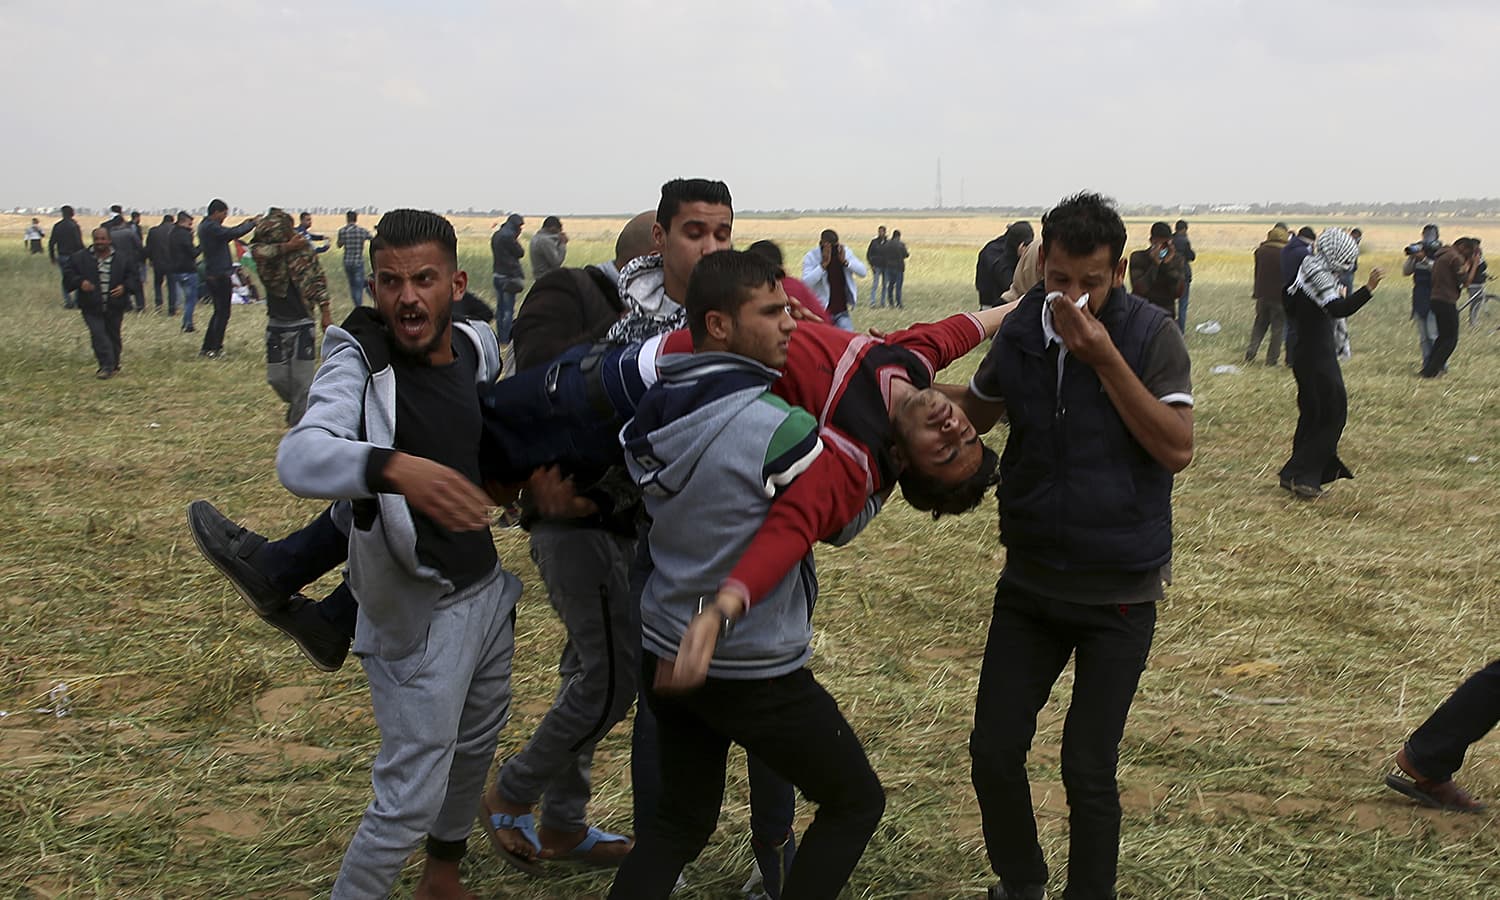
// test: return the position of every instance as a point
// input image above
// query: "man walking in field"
(1095, 384)
(66, 240)
(352, 239)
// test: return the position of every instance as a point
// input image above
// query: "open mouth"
(411, 323)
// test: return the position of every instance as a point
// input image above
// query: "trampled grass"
(1298, 646)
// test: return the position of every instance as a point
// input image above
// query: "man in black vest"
(1095, 383)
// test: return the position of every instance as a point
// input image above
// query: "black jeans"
(1030, 640)
(1436, 749)
(796, 728)
(221, 290)
(1446, 315)
(157, 278)
(306, 555)
(104, 335)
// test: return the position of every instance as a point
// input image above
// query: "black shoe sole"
(303, 645)
(245, 593)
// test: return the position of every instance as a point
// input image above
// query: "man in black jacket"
(213, 240)
(1097, 390)
(182, 269)
(159, 253)
(509, 277)
(104, 279)
(66, 239)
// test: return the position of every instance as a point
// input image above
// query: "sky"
(580, 106)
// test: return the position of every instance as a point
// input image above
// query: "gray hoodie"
(710, 448)
(351, 409)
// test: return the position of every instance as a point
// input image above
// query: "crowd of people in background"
(741, 449)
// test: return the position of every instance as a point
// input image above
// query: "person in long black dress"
(1315, 299)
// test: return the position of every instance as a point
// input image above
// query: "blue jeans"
(843, 320)
(1182, 307)
(894, 278)
(183, 290)
(878, 279)
(505, 307)
(356, 276)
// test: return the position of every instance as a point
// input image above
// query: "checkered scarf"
(648, 309)
(1334, 254)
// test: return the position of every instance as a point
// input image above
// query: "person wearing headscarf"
(295, 288)
(1314, 299)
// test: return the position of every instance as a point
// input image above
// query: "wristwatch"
(726, 624)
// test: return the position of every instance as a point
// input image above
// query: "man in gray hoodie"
(710, 447)
(392, 428)
(549, 247)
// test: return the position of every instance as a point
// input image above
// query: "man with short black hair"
(509, 278)
(103, 279)
(549, 247)
(875, 256)
(125, 236)
(1452, 269)
(213, 240)
(1184, 248)
(1157, 273)
(895, 269)
(66, 239)
(182, 269)
(158, 252)
(352, 239)
(1096, 386)
(392, 426)
(829, 270)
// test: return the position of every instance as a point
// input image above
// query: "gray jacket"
(547, 253)
(351, 409)
(710, 448)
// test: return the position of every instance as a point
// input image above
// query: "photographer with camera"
(1157, 273)
(1418, 264)
(1452, 269)
(829, 270)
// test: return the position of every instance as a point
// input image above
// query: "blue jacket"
(213, 242)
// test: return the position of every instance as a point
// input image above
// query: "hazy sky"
(577, 106)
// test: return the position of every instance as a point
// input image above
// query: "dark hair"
(1016, 234)
(116, 209)
(1182, 225)
(721, 282)
(217, 205)
(304, 213)
(930, 495)
(1356, 232)
(1160, 230)
(552, 222)
(401, 228)
(770, 251)
(183, 214)
(1083, 223)
(166, 219)
(1466, 244)
(67, 212)
(829, 236)
(350, 216)
(689, 190)
(1307, 232)
(896, 233)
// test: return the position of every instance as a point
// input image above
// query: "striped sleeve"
(792, 448)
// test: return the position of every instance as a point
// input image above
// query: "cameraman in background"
(1418, 264)
(1157, 273)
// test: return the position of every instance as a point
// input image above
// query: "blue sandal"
(523, 825)
(585, 851)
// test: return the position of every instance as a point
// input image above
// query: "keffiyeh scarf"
(1334, 254)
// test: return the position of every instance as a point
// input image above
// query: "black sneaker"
(324, 645)
(1019, 892)
(230, 547)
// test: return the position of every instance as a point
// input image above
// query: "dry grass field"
(1299, 644)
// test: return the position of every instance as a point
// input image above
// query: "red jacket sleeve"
(941, 343)
(820, 502)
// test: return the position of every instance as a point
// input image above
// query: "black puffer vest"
(1077, 492)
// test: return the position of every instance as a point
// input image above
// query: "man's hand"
(556, 497)
(696, 650)
(298, 242)
(1083, 335)
(86, 286)
(117, 291)
(800, 312)
(441, 494)
(325, 318)
(1376, 274)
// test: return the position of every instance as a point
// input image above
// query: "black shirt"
(838, 288)
(862, 412)
(437, 417)
(289, 308)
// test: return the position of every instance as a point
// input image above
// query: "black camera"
(1428, 247)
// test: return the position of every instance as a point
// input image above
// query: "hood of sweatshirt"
(698, 394)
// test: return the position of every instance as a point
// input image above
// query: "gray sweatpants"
(291, 363)
(587, 573)
(439, 709)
